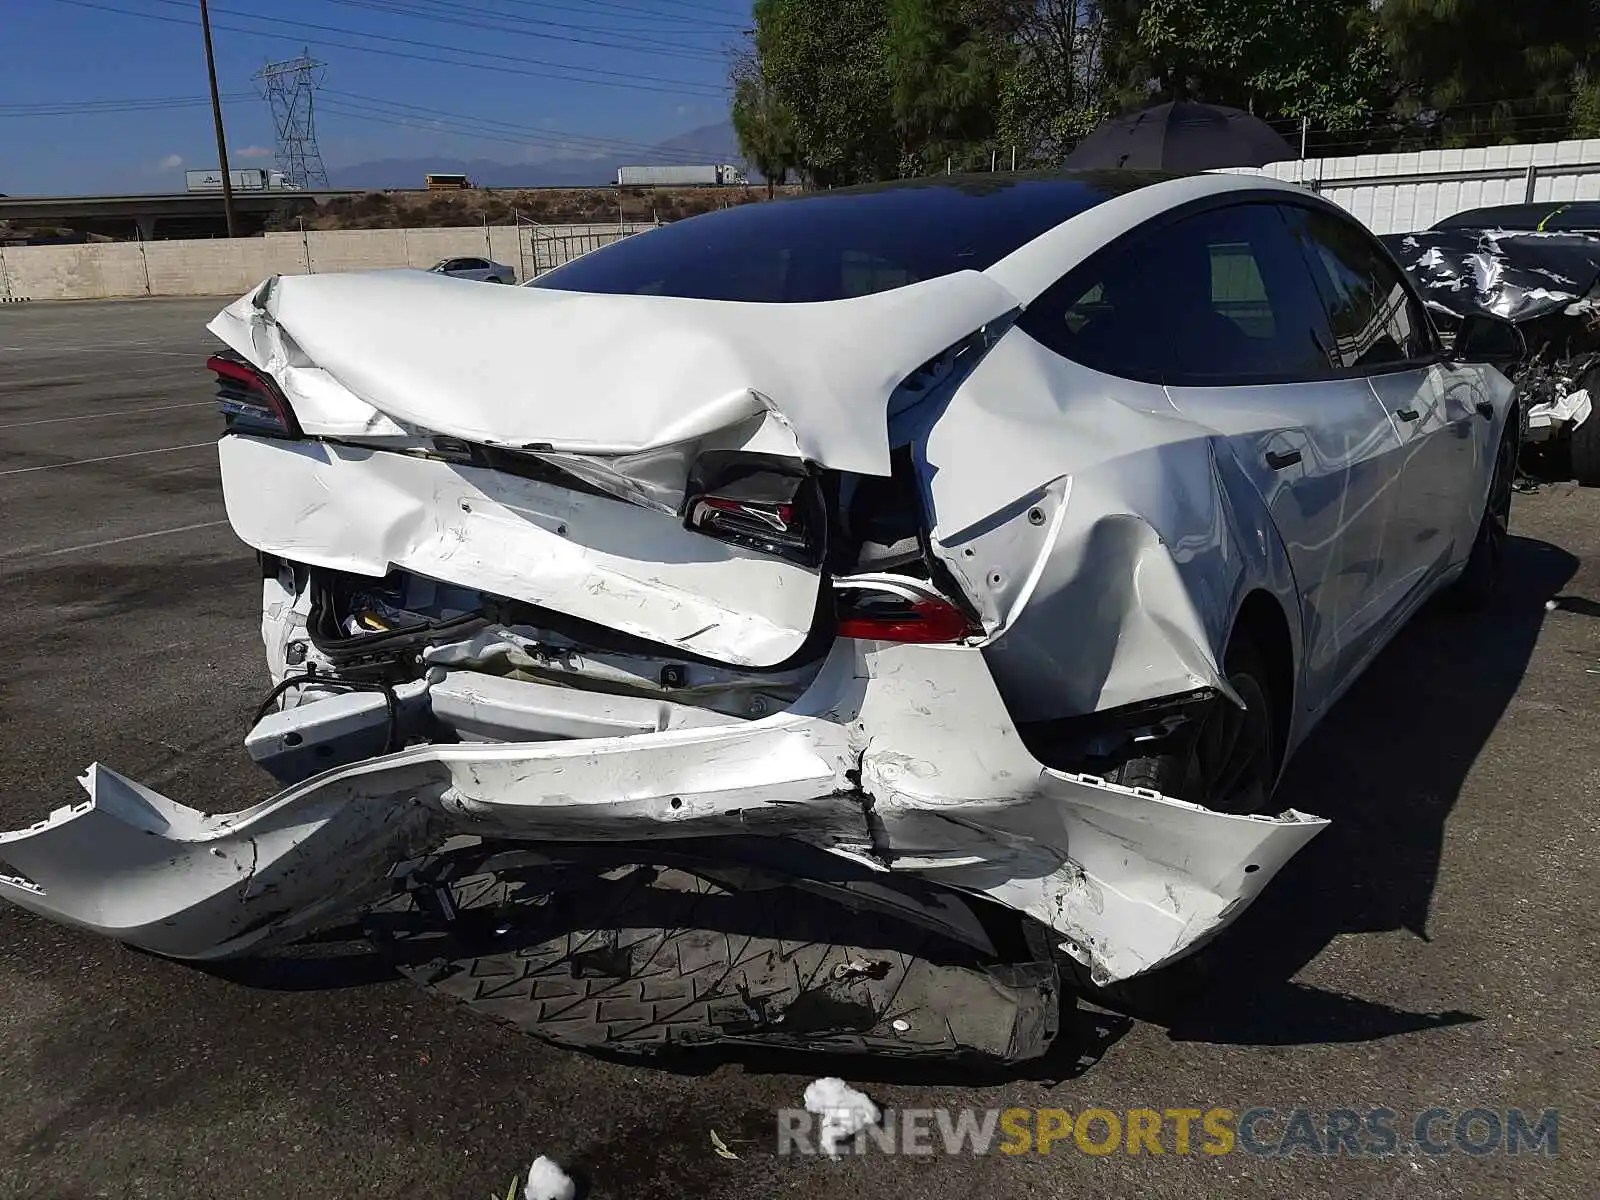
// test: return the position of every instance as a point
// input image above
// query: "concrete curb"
(15, 299)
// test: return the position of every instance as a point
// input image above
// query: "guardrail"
(542, 248)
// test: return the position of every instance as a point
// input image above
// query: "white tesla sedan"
(971, 552)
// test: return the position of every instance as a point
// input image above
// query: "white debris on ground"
(547, 1181)
(845, 1112)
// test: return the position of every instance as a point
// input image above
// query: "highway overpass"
(157, 217)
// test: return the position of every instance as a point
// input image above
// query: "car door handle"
(1485, 410)
(1279, 461)
(1407, 414)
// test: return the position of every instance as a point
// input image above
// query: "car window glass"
(862, 273)
(1375, 321)
(1238, 292)
(1219, 296)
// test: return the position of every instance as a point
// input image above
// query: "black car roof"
(1549, 216)
(801, 248)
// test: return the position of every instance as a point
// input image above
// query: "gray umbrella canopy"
(1181, 136)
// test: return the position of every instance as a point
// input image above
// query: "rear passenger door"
(1382, 333)
(1220, 307)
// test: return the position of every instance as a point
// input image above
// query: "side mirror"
(1488, 339)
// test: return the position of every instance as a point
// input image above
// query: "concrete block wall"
(1365, 184)
(74, 272)
(230, 267)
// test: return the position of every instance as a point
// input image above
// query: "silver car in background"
(481, 269)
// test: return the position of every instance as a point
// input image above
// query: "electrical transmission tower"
(290, 90)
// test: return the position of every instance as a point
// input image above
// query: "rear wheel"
(1229, 762)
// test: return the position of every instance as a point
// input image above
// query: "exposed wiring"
(310, 678)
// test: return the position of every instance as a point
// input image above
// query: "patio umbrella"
(1180, 136)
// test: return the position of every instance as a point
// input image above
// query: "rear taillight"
(250, 401)
(763, 503)
(890, 608)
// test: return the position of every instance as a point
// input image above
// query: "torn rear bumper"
(900, 757)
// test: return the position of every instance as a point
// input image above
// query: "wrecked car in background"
(1548, 285)
(818, 623)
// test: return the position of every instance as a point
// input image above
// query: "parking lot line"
(117, 541)
(118, 412)
(78, 462)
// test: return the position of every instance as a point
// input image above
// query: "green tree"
(825, 65)
(1477, 71)
(1068, 73)
(946, 60)
(1320, 59)
(763, 123)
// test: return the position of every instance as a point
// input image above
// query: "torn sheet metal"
(902, 757)
(1113, 518)
(622, 566)
(1570, 410)
(1518, 276)
(600, 375)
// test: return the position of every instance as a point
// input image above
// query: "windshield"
(836, 244)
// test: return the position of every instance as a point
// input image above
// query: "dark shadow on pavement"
(1386, 767)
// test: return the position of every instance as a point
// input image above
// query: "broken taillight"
(760, 502)
(890, 608)
(250, 401)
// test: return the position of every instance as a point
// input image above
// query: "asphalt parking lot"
(1436, 948)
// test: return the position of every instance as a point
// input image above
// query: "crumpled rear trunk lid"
(401, 381)
(601, 375)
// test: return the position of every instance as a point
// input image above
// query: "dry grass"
(501, 206)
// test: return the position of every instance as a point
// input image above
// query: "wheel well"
(1261, 622)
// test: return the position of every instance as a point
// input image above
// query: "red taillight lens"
(250, 401)
(888, 609)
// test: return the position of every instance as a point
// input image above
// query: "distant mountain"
(714, 143)
(709, 143)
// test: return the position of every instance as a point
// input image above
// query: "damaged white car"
(813, 623)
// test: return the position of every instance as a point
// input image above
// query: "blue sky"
(95, 100)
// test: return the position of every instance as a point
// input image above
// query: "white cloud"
(254, 152)
(170, 163)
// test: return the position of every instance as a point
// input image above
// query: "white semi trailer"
(698, 175)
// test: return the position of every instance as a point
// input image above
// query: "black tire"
(1475, 588)
(1584, 441)
(1228, 763)
(638, 961)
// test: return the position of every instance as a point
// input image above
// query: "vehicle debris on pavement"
(845, 1112)
(547, 1181)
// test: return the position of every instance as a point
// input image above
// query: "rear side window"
(1376, 322)
(1222, 296)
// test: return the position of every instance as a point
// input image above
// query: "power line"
(67, 108)
(690, 4)
(431, 45)
(681, 88)
(447, 15)
(409, 114)
(509, 134)
(606, 7)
